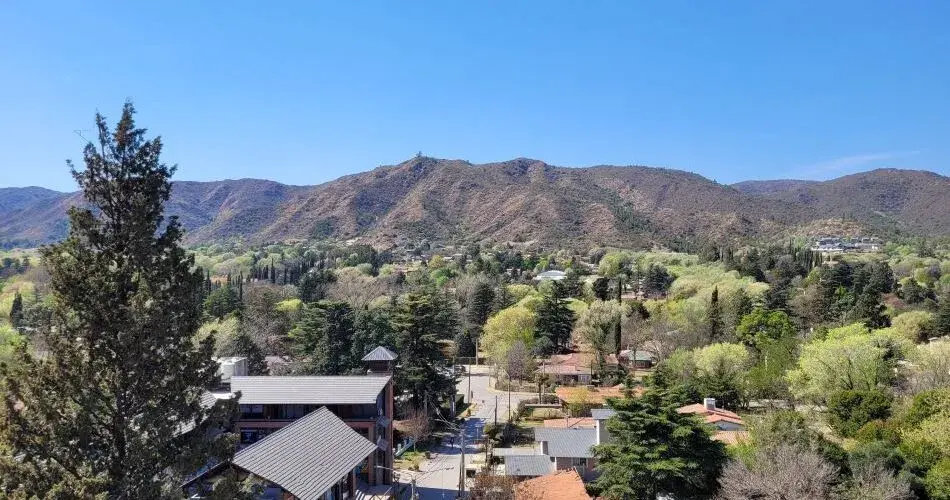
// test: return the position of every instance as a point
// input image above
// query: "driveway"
(438, 477)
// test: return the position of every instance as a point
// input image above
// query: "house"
(569, 449)
(317, 457)
(363, 402)
(526, 466)
(723, 420)
(640, 360)
(551, 276)
(575, 368)
(566, 485)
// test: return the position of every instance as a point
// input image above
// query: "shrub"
(850, 410)
(937, 480)
(879, 430)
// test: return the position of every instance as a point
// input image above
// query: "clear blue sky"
(305, 92)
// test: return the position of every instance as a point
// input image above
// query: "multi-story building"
(363, 402)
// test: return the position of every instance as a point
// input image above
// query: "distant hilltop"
(527, 201)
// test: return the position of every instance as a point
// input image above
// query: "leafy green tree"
(321, 338)
(739, 304)
(505, 328)
(655, 450)
(16, 310)
(615, 264)
(99, 415)
(222, 302)
(555, 321)
(857, 362)
(423, 367)
(596, 327)
(762, 326)
(848, 411)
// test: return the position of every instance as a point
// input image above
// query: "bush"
(937, 480)
(848, 411)
(927, 404)
(919, 455)
(879, 430)
(867, 454)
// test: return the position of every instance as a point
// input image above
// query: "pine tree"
(422, 364)
(321, 338)
(942, 322)
(480, 304)
(16, 310)
(714, 316)
(99, 416)
(554, 322)
(656, 451)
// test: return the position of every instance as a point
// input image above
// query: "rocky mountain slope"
(520, 200)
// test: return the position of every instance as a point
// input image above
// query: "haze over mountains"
(524, 200)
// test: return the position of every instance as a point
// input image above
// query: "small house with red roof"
(722, 419)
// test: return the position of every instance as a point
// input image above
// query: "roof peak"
(380, 353)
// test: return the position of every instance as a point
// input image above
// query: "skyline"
(304, 94)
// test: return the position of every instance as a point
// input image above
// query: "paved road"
(439, 476)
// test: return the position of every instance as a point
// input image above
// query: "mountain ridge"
(521, 200)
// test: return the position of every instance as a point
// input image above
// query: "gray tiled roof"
(528, 465)
(510, 452)
(308, 456)
(357, 389)
(602, 413)
(574, 442)
(380, 354)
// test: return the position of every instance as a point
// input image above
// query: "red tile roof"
(565, 485)
(712, 415)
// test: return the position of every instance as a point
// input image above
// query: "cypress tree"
(555, 322)
(943, 316)
(714, 316)
(100, 415)
(16, 311)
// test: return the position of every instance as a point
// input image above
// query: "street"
(438, 477)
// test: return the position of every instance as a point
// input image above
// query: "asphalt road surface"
(438, 477)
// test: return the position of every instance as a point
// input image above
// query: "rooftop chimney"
(709, 403)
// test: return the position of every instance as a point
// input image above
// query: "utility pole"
(496, 410)
(412, 489)
(462, 467)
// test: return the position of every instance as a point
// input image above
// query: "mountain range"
(524, 200)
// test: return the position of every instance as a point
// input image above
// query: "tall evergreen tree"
(16, 310)
(654, 450)
(480, 304)
(222, 302)
(423, 367)
(942, 323)
(714, 316)
(321, 338)
(554, 321)
(100, 414)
